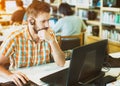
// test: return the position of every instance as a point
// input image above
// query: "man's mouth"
(42, 29)
(36, 31)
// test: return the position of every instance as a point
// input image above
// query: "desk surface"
(115, 55)
(37, 72)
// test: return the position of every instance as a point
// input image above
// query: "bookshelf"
(111, 24)
(90, 11)
(106, 18)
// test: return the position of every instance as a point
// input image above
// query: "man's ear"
(31, 21)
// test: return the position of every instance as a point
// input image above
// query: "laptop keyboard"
(10, 83)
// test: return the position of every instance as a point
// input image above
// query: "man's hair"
(37, 7)
(65, 9)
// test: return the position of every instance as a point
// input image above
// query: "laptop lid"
(86, 63)
(85, 66)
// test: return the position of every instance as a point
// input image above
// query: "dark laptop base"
(60, 79)
(56, 79)
(92, 78)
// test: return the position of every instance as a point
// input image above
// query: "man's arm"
(4, 61)
(57, 53)
(15, 77)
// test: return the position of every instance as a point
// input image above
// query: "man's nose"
(47, 24)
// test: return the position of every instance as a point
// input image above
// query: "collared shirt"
(23, 51)
(69, 25)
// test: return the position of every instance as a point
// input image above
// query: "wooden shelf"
(106, 23)
(93, 22)
(112, 46)
(111, 9)
(82, 7)
(114, 43)
(55, 4)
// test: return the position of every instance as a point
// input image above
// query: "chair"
(70, 42)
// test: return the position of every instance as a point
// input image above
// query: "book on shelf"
(111, 34)
(111, 18)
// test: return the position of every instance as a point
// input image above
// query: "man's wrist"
(52, 41)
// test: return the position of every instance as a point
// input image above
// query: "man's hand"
(18, 78)
(46, 35)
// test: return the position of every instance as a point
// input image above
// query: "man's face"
(42, 21)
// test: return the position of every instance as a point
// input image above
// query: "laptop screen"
(86, 62)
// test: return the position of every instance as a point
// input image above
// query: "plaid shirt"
(23, 51)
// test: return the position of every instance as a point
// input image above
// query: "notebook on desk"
(85, 66)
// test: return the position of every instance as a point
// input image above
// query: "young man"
(30, 46)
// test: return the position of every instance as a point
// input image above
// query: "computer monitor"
(87, 62)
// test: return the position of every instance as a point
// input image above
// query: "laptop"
(85, 66)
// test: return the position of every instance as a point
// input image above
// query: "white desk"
(114, 71)
(35, 73)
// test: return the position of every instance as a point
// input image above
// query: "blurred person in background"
(17, 16)
(69, 24)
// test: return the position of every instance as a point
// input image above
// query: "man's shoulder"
(17, 32)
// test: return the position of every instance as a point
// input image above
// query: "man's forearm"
(4, 72)
(57, 53)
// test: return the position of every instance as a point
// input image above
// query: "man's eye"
(43, 21)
